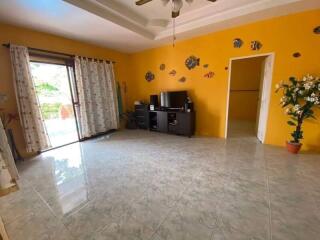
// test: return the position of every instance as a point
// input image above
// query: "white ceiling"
(121, 25)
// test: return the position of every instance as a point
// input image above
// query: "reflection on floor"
(145, 185)
(241, 129)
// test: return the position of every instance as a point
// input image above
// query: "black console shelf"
(179, 123)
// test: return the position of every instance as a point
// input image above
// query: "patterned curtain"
(8, 170)
(98, 103)
(35, 133)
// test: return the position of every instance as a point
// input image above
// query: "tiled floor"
(144, 185)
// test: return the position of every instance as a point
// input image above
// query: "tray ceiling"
(121, 25)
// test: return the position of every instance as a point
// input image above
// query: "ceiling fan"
(176, 5)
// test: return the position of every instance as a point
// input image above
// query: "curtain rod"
(7, 45)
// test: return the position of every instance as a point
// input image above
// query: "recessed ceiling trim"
(156, 29)
(206, 12)
(123, 12)
(110, 15)
(158, 23)
(202, 17)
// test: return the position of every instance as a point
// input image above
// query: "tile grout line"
(103, 228)
(107, 226)
(176, 202)
(269, 199)
(229, 176)
(44, 201)
(123, 214)
(51, 210)
(126, 211)
(219, 219)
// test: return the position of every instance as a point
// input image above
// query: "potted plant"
(299, 99)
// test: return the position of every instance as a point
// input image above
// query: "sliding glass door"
(56, 93)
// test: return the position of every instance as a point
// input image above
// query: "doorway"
(56, 99)
(249, 90)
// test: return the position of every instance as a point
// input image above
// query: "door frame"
(67, 65)
(268, 85)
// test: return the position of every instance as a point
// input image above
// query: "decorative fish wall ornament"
(162, 67)
(296, 55)
(173, 73)
(256, 45)
(191, 62)
(209, 74)
(149, 76)
(182, 79)
(237, 43)
(316, 30)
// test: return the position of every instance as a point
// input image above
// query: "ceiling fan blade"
(175, 14)
(141, 2)
(212, 0)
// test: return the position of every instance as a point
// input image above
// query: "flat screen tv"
(173, 99)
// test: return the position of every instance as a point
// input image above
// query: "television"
(173, 100)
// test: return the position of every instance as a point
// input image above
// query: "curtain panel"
(32, 123)
(8, 170)
(98, 104)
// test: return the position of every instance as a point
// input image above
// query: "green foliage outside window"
(46, 89)
(50, 110)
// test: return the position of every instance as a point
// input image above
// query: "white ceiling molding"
(123, 11)
(204, 17)
(206, 13)
(109, 12)
(158, 23)
(126, 16)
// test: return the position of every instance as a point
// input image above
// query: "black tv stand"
(174, 122)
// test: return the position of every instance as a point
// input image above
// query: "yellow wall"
(22, 36)
(282, 35)
(245, 75)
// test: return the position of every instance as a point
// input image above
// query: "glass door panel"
(56, 103)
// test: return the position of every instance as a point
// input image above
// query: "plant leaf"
(291, 123)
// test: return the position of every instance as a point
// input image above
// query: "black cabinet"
(141, 114)
(185, 123)
(180, 123)
(162, 121)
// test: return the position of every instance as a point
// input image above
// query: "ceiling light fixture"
(175, 12)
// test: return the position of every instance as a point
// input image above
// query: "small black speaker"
(154, 100)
